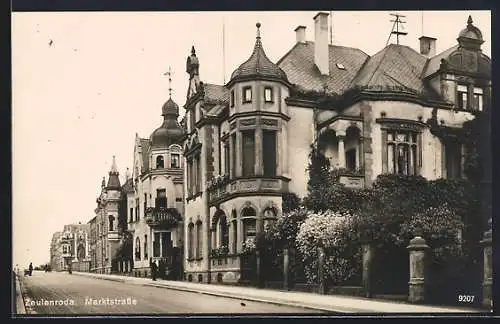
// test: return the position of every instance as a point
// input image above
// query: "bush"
(333, 232)
(281, 234)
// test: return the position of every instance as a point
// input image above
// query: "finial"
(169, 73)
(193, 52)
(258, 29)
(114, 169)
(469, 21)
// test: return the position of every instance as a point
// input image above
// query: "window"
(233, 155)
(136, 209)
(137, 249)
(247, 94)
(156, 245)
(462, 97)
(175, 161)
(131, 217)
(198, 173)
(161, 198)
(191, 241)
(145, 247)
(223, 232)
(350, 159)
(269, 152)
(190, 177)
(232, 98)
(477, 99)
(159, 162)
(268, 94)
(402, 152)
(249, 229)
(111, 221)
(453, 160)
(340, 66)
(145, 203)
(248, 153)
(199, 239)
(226, 157)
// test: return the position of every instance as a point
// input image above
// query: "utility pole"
(395, 28)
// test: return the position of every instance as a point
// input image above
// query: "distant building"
(248, 141)
(70, 248)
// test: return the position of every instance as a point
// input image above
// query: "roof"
(434, 62)
(216, 93)
(128, 186)
(145, 148)
(299, 66)
(395, 66)
(258, 65)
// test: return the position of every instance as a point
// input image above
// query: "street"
(72, 294)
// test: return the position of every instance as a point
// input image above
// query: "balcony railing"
(352, 178)
(162, 217)
(221, 188)
(226, 262)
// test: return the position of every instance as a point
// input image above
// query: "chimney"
(321, 42)
(427, 46)
(300, 34)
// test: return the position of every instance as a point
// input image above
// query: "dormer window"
(268, 94)
(340, 66)
(175, 160)
(462, 97)
(477, 99)
(159, 162)
(247, 94)
(232, 98)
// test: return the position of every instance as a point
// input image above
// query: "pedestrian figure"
(30, 268)
(154, 269)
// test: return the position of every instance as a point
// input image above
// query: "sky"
(84, 83)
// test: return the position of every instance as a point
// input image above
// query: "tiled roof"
(394, 66)
(128, 186)
(145, 159)
(258, 65)
(299, 66)
(216, 93)
(435, 61)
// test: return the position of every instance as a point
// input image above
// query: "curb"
(20, 300)
(248, 298)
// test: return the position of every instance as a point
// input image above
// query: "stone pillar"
(286, 264)
(86, 246)
(321, 275)
(240, 234)
(259, 166)
(487, 268)
(230, 232)
(367, 268)
(341, 151)
(74, 250)
(417, 250)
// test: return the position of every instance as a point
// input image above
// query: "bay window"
(453, 160)
(402, 152)
(248, 153)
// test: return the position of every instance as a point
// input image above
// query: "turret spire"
(113, 181)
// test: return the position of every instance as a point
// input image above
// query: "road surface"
(72, 294)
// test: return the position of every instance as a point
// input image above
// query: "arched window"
(199, 239)
(137, 249)
(159, 162)
(223, 231)
(145, 247)
(249, 219)
(269, 217)
(190, 241)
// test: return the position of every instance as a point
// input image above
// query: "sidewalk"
(329, 303)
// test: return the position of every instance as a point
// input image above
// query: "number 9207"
(466, 298)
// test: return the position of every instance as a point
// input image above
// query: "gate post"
(286, 277)
(367, 268)
(417, 250)
(487, 269)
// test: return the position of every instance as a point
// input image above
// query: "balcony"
(223, 187)
(161, 217)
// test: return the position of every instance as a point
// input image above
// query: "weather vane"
(169, 73)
